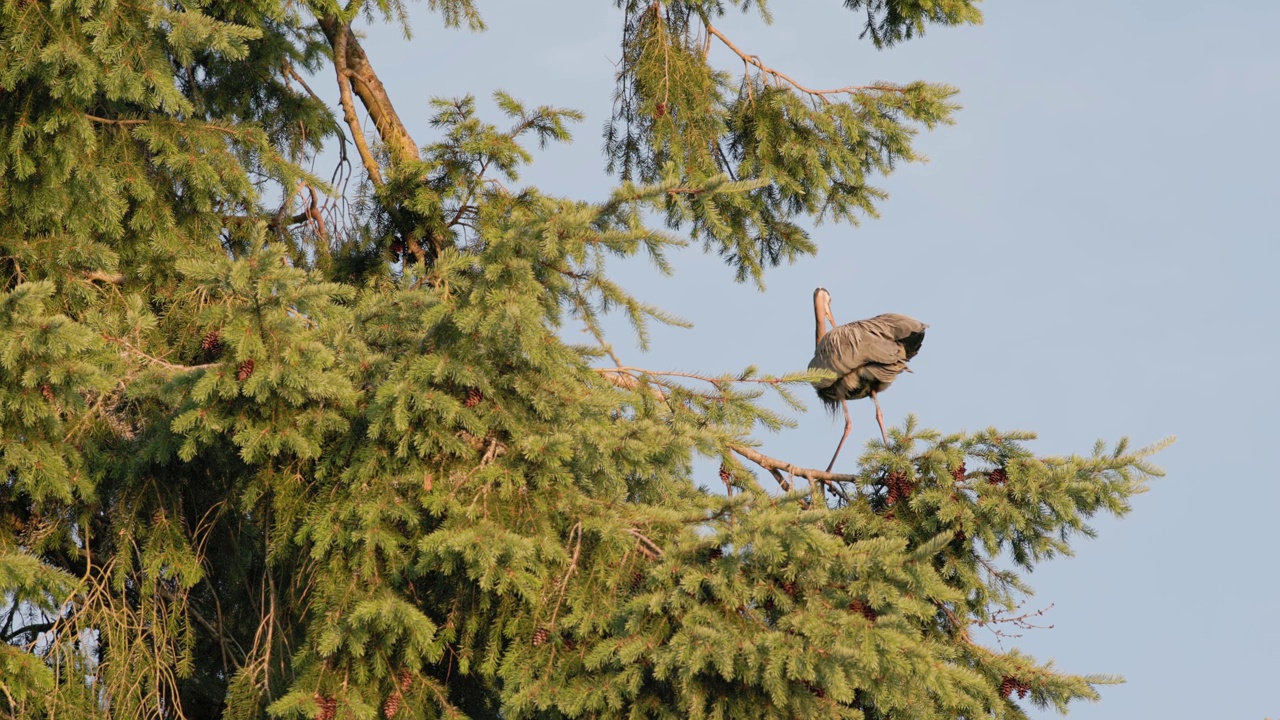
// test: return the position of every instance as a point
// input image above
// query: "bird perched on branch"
(866, 356)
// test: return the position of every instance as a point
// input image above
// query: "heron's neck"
(822, 325)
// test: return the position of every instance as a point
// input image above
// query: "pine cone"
(47, 391)
(715, 553)
(899, 487)
(958, 473)
(540, 636)
(660, 110)
(789, 587)
(328, 707)
(392, 705)
(245, 371)
(211, 343)
(474, 397)
(725, 475)
(637, 581)
(406, 679)
(998, 476)
(1007, 685)
(864, 610)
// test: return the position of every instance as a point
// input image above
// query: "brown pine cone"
(46, 390)
(898, 486)
(245, 371)
(211, 342)
(958, 473)
(864, 610)
(998, 476)
(637, 581)
(392, 705)
(406, 679)
(328, 707)
(789, 587)
(715, 553)
(540, 636)
(1007, 684)
(473, 398)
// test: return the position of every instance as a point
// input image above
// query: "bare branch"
(129, 349)
(339, 42)
(755, 61)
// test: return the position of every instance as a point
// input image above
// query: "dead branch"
(338, 40)
(755, 61)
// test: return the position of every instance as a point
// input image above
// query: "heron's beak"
(827, 311)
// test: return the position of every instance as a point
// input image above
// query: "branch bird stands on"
(865, 355)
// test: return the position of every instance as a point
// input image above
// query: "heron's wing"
(907, 331)
(876, 348)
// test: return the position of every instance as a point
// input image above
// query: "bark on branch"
(356, 74)
(624, 378)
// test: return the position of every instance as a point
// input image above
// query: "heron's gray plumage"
(866, 356)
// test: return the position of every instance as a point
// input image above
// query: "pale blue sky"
(1094, 245)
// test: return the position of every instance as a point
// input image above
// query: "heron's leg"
(880, 418)
(848, 425)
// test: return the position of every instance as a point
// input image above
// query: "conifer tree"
(288, 446)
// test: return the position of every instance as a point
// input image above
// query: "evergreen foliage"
(273, 446)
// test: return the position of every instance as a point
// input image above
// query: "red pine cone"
(725, 475)
(540, 636)
(817, 691)
(245, 371)
(660, 110)
(392, 705)
(211, 342)
(328, 707)
(998, 476)
(1006, 686)
(474, 397)
(898, 486)
(864, 610)
(1010, 684)
(958, 473)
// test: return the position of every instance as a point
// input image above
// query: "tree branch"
(34, 628)
(338, 41)
(129, 349)
(755, 61)
(353, 64)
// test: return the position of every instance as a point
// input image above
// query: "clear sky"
(1094, 245)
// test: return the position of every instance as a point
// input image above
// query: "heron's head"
(821, 298)
(822, 311)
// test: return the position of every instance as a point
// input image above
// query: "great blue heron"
(866, 356)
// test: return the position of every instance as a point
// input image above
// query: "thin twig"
(651, 548)
(755, 61)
